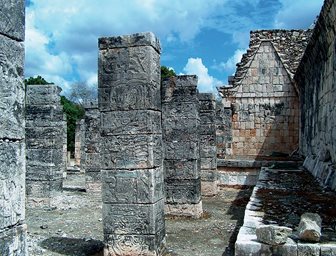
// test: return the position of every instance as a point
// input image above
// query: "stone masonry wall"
(45, 133)
(131, 145)
(12, 129)
(316, 79)
(180, 125)
(265, 108)
(91, 163)
(208, 149)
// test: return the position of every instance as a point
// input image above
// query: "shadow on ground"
(73, 246)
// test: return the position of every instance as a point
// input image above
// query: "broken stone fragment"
(272, 234)
(310, 227)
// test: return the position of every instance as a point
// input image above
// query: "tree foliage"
(166, 72)
(74, 112)
(36, 80)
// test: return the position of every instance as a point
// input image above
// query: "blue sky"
(202, 37)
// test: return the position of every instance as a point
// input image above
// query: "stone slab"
(135, 67)
(44, 156)
(174, 150)
(12, 19)
(45, 115)
(44, 172)
(136, 219)
(183, 191)
(12, 183)
(305, 249)
(134, 40)
(144, 186)
(180, 89)
(11, 82)
(131, 152)
(46, 94)
(182, 169)
(147, 245)
(130, 122)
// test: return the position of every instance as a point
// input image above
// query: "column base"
(185, 210)
(13, 241)
(134, 245)
(209, 188)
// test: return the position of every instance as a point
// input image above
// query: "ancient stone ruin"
(180, 124)
(208, 149)
(91, 154)
(131, 145)
(45, 133)
(12, 130)
(149, 148)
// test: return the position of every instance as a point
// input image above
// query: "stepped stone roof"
(289, 45)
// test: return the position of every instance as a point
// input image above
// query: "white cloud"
(72, 28)
(206, 83)
(230, 64)
(299, 14)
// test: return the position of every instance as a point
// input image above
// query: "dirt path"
(75, 226)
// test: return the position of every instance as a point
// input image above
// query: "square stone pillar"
(91, 164)
(45, 139)
(131, 145)
(180, 125)
(208, 149)
(13, 229)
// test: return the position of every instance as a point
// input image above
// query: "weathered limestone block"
(130, 122)
(137, 66)
(132, 186)
(12, 22)
(135, 244)
(272, 234)
(12, 183)
(183, 191)
(12, 86)
(183, 169)
(181, 150)
(181, 142)
(310, 227)
(131, 145)
(141, 219)
(305, 249)
(131, 151)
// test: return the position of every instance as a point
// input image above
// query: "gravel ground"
(74, 227)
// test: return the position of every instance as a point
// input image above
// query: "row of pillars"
(157, 145)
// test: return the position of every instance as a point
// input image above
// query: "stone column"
(45, 138)
(78, 142)
(91, 164)
(223, 130)
(12, 132)
(208, 149)
(180, 125)
(131, 145)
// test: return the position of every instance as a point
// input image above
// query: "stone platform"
(280, 198)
